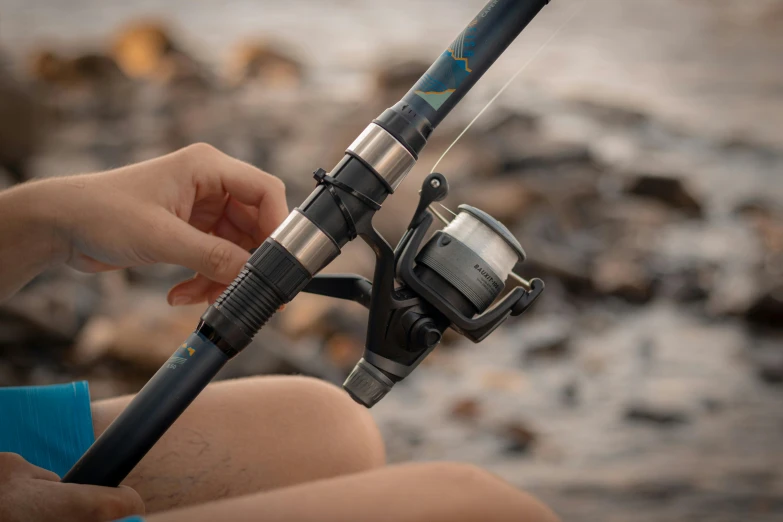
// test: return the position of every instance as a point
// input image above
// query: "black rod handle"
(154, 409)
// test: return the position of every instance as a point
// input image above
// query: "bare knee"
(337, 431)
(480, 495)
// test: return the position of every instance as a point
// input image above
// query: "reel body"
(418, 292)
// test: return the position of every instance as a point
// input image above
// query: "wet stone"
(519, 437)
(467, 409)
(265, 63)
(654, 415)
(767, 310)
(669, 190)
(55, 70)
(22, 127)
(141, 47)
(393, 80)
(767, 359)
(623, 276)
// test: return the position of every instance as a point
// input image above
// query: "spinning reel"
(450, 282)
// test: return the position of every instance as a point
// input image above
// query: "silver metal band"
(306, 242)
(384, 153)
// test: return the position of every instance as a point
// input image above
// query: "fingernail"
(181, 300)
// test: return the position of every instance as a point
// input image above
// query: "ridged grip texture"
(366, 384)
(271, 278)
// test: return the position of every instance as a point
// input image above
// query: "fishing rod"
(450, 282)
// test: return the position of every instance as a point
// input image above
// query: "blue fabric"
(50, 426)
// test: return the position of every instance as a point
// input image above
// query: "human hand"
(32, 494)
(196, 207)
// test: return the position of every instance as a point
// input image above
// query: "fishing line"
(509, 82)
(519, 279)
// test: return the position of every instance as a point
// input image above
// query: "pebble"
(519, 437)
(670, 190)
(652, 415)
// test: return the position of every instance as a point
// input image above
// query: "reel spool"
(418, 292)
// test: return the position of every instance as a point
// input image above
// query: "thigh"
(251, 435)
(440, 492)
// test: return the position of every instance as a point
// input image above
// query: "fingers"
(227, 230)
(243, 182)
(196, 290)
(216, 258)
(102, 504)
(245, 218)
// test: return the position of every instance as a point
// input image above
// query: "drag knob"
(424, 334)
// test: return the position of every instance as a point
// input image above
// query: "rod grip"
(154, 409)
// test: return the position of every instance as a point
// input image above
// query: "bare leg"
(441, 492)
(252, 435)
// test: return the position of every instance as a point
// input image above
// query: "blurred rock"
(688, 285)
(545, 338)
(513, 124)
(519, 437)
(468, 164)
(613, 115)
(554, 261)
(569, 394)
(50, 68)
(145, 335)
(545, 156)
(142, 46)
(654, 415)
(265, 63)
(53, 307)
(505, 199)
(766, 218)
(6, 179)
(767, 309)
(394, 79)
(512, 381)
(767, 359)
(146, 49)
(467, 409)
(635, 213)
(185, 73)
(621, 275)
(272, 353)
(344, 351)
(22, 126)
(322, 317)
(712, 405)
(669, 190)
(757, 207)
(516, 139)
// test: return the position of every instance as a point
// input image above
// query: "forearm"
(29, 241)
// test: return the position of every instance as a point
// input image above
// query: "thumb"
(101, 504)
(216, 258)
(131, 500)
(127, 502)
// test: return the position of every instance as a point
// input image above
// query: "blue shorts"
(50, 426)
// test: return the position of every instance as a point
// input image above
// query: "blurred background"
(639, 160)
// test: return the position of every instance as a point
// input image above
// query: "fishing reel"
(450, 282)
